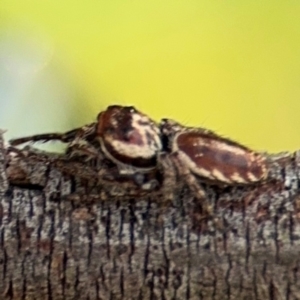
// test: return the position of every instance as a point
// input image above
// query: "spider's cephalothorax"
(129, 137)
(212, 157)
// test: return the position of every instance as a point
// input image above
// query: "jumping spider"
(142, 150)
(122, 145)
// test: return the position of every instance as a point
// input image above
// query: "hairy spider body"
(158, 156)
(129, 137)
(122, 135)
(212, 157)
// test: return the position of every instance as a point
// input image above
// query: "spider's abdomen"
(218, 159)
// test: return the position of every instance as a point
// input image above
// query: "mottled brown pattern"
(231, 159)
(138, 162)
(116, 124)
(63, 137)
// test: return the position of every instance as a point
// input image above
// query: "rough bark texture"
(137, 248)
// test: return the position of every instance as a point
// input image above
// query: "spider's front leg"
(83, 132)
(79, 140)
(65, 137)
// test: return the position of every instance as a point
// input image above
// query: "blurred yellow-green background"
(231, 66)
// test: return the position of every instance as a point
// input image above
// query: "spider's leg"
(11, 149)
(145, 181)
(189, 178)
(81, 147)
(193, 184)
(65, 137)
(169, 174)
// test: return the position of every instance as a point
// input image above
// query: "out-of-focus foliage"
(232, 66)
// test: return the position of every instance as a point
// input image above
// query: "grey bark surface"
(52, 247)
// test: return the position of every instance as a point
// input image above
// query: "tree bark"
(105, 247)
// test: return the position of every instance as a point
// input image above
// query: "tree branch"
(97, 246)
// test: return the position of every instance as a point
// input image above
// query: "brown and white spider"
(142, 150)
(122, 145)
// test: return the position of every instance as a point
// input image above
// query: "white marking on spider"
(237, 178)
(251, 176)
(220, 176)
(142, 140)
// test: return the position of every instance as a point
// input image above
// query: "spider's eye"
(131, 109)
